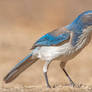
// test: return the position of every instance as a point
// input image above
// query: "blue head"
(84, 20)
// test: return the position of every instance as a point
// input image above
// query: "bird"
(61, 44)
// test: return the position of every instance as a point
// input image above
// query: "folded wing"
(53, 38)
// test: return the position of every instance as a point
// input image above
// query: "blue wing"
(52, 38)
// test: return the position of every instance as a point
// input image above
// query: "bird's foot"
(48, 86)
(72, 84)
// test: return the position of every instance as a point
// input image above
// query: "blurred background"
(22, 22)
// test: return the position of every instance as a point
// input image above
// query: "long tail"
(20, 67)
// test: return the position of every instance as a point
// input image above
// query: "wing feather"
(53, 38)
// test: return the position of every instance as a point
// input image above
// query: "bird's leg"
(45, 68)
(71, 82)
(46, 78)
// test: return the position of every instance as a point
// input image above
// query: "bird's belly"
(54, 52)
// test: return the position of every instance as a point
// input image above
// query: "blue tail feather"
(20, 67)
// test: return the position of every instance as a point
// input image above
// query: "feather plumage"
(53, 38)
(20, 67)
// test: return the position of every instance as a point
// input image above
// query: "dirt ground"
(22, 22)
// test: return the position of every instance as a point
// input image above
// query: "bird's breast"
(53, 52)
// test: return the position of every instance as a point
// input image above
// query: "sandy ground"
(22, 22)
(42, 89)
